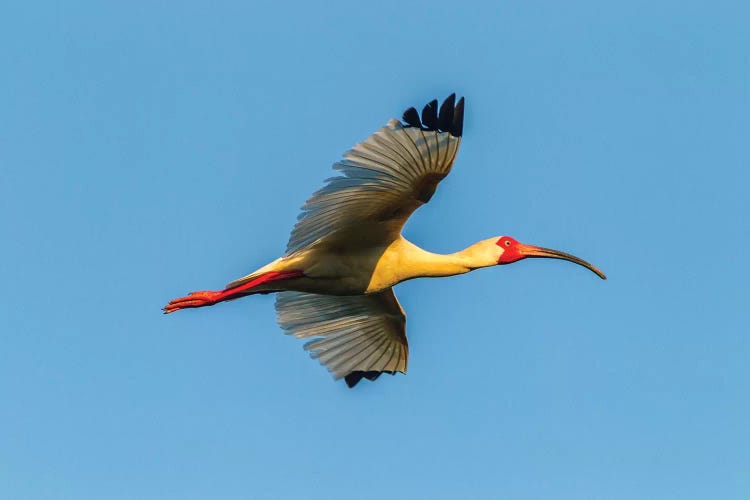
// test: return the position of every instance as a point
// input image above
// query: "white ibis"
(346, 252)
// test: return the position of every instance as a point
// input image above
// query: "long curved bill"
(532, 251)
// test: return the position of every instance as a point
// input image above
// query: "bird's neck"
(421, 263)
(403, 261)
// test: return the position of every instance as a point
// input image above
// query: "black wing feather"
(429, 115)
(411, 117)
(450, 118)
(458, 119)
(354, 377)
(446, 113)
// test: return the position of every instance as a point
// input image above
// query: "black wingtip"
(457, 128)
(446, 113)
(353, 378)
(411, 117)
(429, 115)
(449, 119)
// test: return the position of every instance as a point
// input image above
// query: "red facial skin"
(512, 251)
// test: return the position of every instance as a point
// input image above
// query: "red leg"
(209, 298)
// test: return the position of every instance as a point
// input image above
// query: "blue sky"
(150, 150)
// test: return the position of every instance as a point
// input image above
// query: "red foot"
(195, 299)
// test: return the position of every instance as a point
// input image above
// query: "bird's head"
(512, 251)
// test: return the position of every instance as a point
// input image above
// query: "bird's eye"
(507, 243)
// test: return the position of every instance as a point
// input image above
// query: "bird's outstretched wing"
(354, 336)
(383, 179)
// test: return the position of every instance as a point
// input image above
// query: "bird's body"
(372, 269)
(346, 252)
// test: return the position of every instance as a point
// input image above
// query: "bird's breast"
(400, 261)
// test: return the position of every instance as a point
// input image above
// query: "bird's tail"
(209, 298)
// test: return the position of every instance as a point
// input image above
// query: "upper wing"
(357, 336)
(384, 179)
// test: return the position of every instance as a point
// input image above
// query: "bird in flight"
(335, 282)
